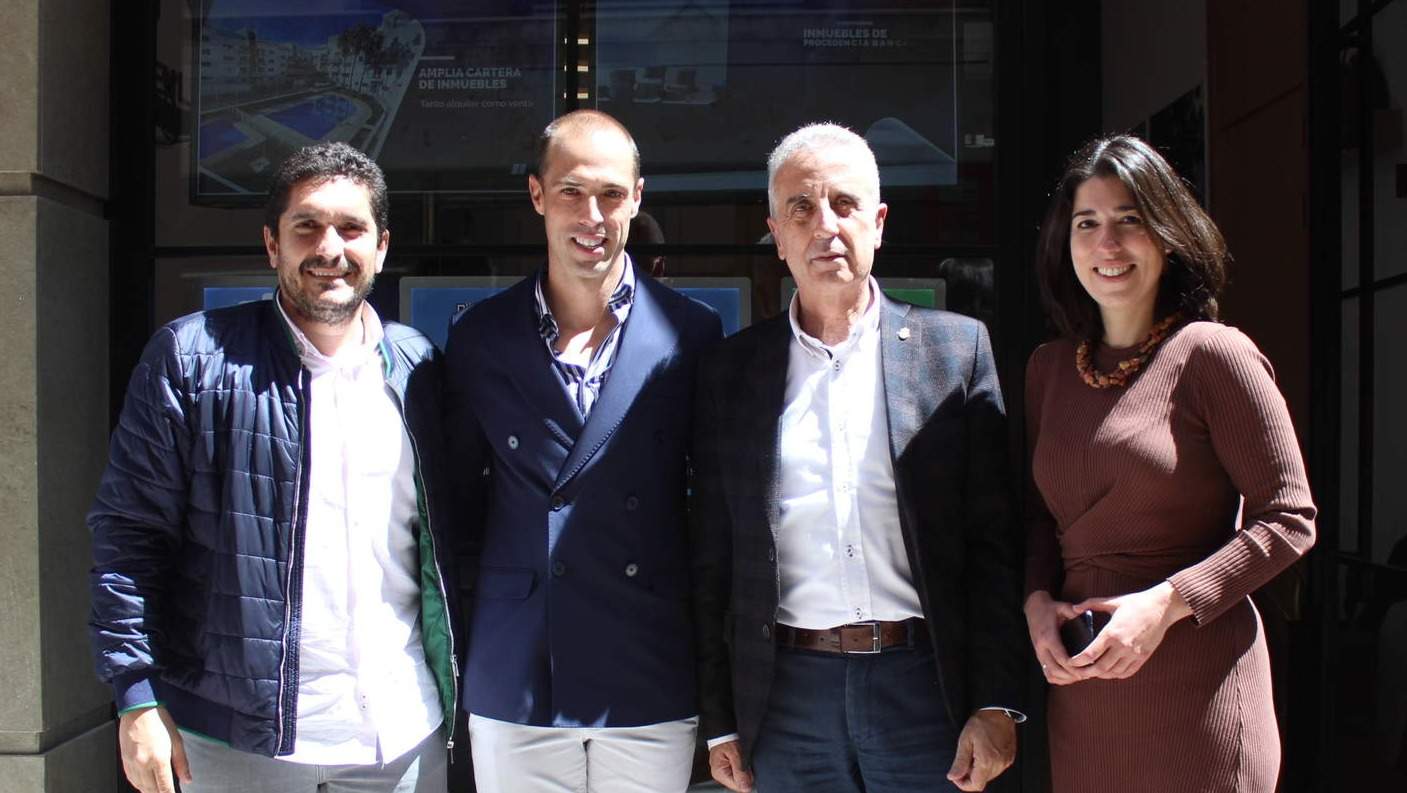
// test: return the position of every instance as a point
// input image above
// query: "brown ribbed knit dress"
(1140, 485)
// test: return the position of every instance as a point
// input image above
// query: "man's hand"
(725, 761)
(986, 747)
(1136, 628)
(1044, 616)
(151, 750)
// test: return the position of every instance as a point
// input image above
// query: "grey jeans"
(216, 768)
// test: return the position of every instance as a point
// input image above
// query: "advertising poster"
(709, 86)
(444, 94)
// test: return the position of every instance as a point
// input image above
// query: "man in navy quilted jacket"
(268, 603)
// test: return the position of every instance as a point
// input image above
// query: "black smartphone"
(1076, 634)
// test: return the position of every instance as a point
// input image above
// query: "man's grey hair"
(814, 137)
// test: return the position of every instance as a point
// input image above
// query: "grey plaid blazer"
(947, 431)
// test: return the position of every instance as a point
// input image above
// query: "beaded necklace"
(1127, 368)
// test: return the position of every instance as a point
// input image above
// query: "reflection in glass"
(709, 86)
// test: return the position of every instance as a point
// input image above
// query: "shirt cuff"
(722, 739)
(1015, 715)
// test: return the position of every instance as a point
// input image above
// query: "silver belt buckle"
(874, 642)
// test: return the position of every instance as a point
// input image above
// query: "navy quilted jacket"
(198, 525)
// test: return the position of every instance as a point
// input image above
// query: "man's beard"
(311, 308)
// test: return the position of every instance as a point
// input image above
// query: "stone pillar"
(55, 728)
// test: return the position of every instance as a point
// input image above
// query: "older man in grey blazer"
(855, 575)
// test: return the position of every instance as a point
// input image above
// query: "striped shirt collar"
(619, 304)
(583, 383)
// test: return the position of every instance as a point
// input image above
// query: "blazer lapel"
(765, 378)
(900, 351)
(530, 368)
(647, 339)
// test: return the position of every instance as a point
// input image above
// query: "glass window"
(449, 98)
(1348, 423)
(708, 88)
(1390, 140)
(1389, 423)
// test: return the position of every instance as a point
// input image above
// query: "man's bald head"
(576, 123)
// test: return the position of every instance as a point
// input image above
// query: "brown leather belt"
(861, 638)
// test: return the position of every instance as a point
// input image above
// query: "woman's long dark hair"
(1196, 268)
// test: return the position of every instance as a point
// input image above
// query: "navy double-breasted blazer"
(579, 612)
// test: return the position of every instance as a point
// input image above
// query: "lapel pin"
(903, 333)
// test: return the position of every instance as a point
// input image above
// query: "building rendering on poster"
(444, 94)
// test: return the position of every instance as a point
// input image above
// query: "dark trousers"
(852, 723)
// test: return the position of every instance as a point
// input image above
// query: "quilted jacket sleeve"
(136, 523)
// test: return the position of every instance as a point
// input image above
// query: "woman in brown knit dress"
(1149, 423)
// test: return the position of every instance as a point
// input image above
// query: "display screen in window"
(708, 87)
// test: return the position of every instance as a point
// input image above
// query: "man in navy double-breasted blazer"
(572, 390)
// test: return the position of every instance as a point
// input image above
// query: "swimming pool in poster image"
(217, 136)
(315, 117)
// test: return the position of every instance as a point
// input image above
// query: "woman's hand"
(1137, 624)
(1044, 616)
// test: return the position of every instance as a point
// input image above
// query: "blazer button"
(559, 569)
(632, 503)
(771, 554)
(766, 631)
(557, 503)
(631, 569)
(512, 441)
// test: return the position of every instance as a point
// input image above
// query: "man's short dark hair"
(319, 163)
(575, 121)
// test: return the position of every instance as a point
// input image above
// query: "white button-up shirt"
(840, 551)
(365, 693)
